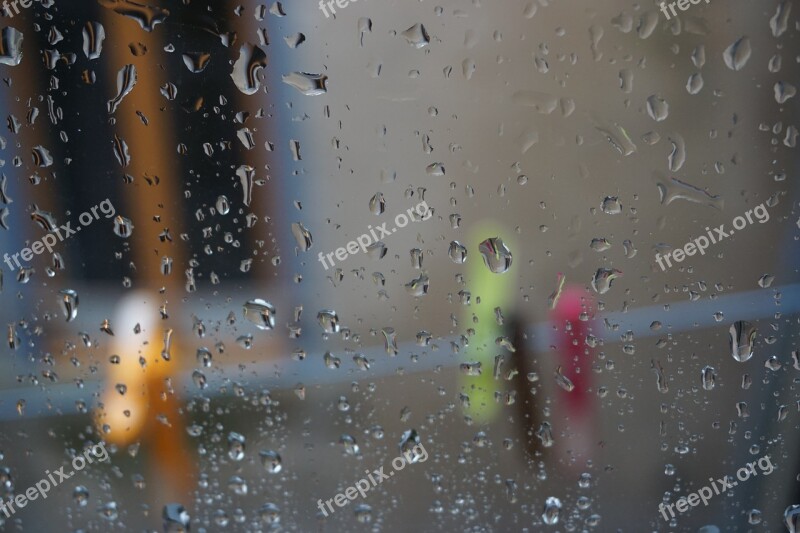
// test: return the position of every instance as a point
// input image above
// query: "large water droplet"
(93, 36)
(306, 83)
(417, 257)
(328, 320)
(416, 36)
(361, 361)
(677, 157)
(457, 252)
(695, 83)
(563, 381)
(223, 206)
(123, 227)
(363, 513)
(11, 46)
(390, 341)
(147, 16)
(377, 250)
(708, 376)
(246, 174)
(176, 518)
(779, 21)
(552, 509)
(738, 53)
(603, 278)
(108, 511)
(80, 495)
(69, 304)
(271, 460)
(754, 516)
(773, 363)
(410, 446)
(418, 286)
(616, 135)
(331, 361)
(742, 336)
(544, 103)
(599, 244)
(237, 485)
(196, 62)
(41, 157)
(783, 91)
(261, 313)
(471, 368)
(236, 446)
(199, 379)
(170, 92)
(295, 40)
(742, 410)
(673, 189)
(270, 514)
(661, 378)
(204, 357)
(791, 517)
(247, 68)
(657, 108)
(126, 80)
(377, 204)
(496, 256)
(349, 443)
(545, 434)
(45, 219)
(302, 236)
(121, 152)
(611, 205)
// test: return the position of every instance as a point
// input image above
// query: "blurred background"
(523, 332)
